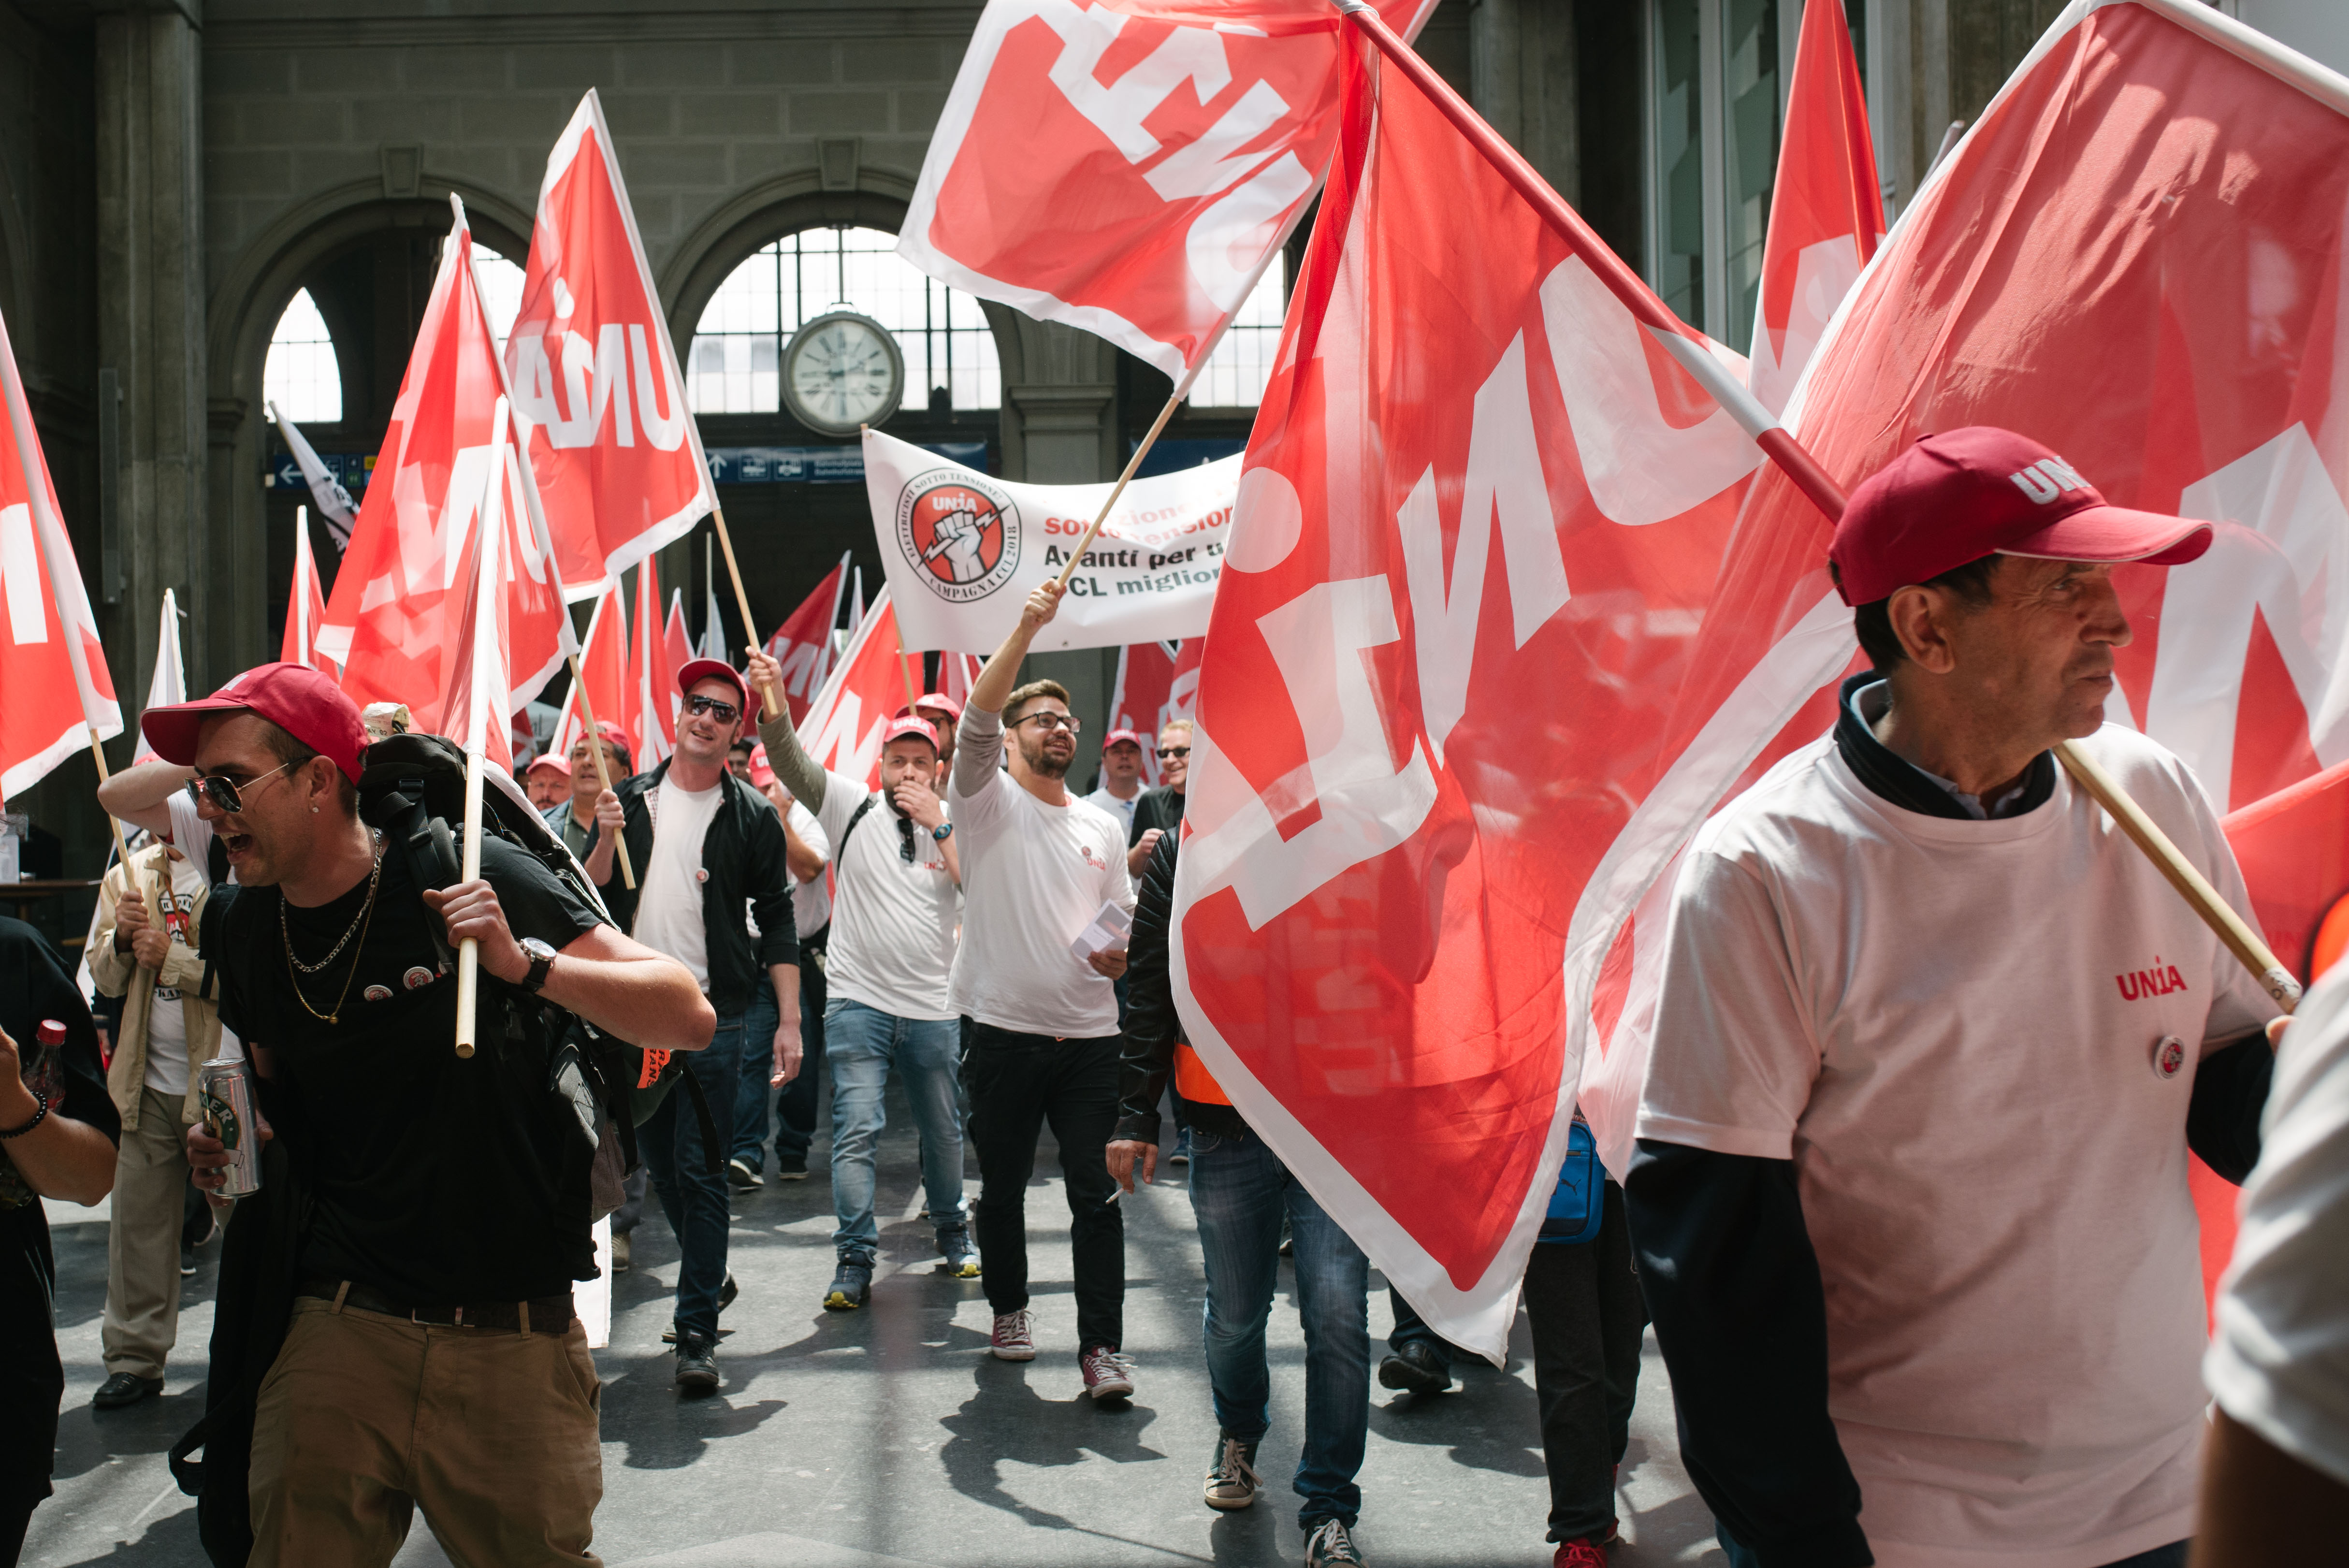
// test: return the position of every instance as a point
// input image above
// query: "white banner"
(964, 551)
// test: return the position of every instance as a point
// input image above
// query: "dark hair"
(1029, 693)
(293, 754)
(1873, 620)
(742, 743)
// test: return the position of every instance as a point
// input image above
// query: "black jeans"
(1014, 1085)
(1588, 1319)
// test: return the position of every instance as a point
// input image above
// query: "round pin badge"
(417, 977)
(378, 994)
(2168, 1057)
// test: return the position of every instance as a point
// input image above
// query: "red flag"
(1479, 519)
(1827, 212)
(676, 648)
(604, 663)
(1127, 166)
(54, 688)
(845, 719)
(802, 644)
(618, 456)
(958, 673)
(1155, 681)
(651, 721)
(395, 621)
(305, 603)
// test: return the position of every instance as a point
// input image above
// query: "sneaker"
(125, 1389)
(1582, 1554)
(728, 1292)
(1331, 1545)
(740, 1174)
(1232, 1482)
(962, 1257)
(1014, 1338)
(187, 1261)
(620, 1254)
(1181, 1154)
(852, 1285)
(791, 1168)
(697, 1364)
(1108, 1375)
(1414, 1369)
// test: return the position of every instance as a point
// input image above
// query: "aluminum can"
(226, 1094)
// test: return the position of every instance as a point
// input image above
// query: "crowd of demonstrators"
(709, 853)
(1119, 787)
(1241, 1194)
(1159, 811)
(1039, 866)
(406, 1273)
(807, 851)
(547, 781)
(889, 964)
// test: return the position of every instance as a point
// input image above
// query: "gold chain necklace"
(360, 926)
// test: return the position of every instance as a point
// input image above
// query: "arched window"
(301, 376)
(1235, 374)
(734, 365)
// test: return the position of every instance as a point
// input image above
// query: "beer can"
(226, 1095)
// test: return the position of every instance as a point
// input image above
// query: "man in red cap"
(547, 781)
(1120, 785)
(587, 819)
(945, 715)
(1932, 1041)
(446, 1201)
(706, 846)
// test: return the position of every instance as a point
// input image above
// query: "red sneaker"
(1108, 1375)
(1014, 1338)
(1582, 1554)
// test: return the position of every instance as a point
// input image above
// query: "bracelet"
(40, 1116)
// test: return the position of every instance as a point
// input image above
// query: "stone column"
(150, 334)
(1521, 78)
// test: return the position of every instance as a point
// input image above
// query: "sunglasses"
(905, 839)
(1048, 722)
(1168, 753)
(224, 791)
(725, 712)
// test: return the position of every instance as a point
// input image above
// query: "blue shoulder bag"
(1578, 1204)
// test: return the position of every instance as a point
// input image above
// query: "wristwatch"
(541, 958)
(942, 832)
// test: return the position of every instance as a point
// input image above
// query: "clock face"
(843, 370)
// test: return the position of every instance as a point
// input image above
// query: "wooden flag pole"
(121, 845)
(1182, 391)
(1689, 350)
(489, 581)
(469, 952)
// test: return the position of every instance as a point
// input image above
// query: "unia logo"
(960, 533)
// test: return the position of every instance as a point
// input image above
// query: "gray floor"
(887, 1437)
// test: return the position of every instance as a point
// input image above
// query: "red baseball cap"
(298, 699)
(911, 726)
(938, 702)
(697, 670)
(761, 772)
(550, 761)
(1981, 491)
(1127, 737)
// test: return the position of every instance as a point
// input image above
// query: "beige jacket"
(118, 974)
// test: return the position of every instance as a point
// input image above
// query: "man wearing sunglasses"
(1160, 810)
(1039, 865)
(705, 845)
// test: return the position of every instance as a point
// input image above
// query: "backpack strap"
(853, 818)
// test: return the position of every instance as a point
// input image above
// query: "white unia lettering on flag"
(964, 550)
(1455, 607)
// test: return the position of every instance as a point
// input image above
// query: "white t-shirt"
(2279, 1362)
(812, 899)
(191, 836)
(669, 916)
(1121, 809)
(1033, 876)
(167, 1017)
(1952, 1029)
(892, 946)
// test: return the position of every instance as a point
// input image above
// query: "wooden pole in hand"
(1689, 350)
(469, 952)
(489, 583)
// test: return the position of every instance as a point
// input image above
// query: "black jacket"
(1153, 1027)
(743, 855)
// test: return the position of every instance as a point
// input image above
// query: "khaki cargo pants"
(364, 1418)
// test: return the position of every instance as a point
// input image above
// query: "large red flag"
(651, 721)
(305, 603)
(604, 663)
(395, 621)
(618, 455)
(1827, 213)
(1479, 523)
(54, 688)
(1156, 681)
(1127, 166)
(802, 644)
(845, 719)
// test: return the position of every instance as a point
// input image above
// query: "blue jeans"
(759, 1022)
(693, 1195)
(864, 1043)
(1239, 1191)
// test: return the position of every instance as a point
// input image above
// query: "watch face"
(842, 371)
(537, 950)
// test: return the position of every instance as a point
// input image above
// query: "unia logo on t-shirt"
(2161, 980)
(960, 533)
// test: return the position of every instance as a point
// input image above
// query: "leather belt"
(541, 1314)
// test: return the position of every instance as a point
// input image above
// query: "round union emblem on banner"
(960, 532)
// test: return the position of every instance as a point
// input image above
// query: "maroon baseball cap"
(303, 702)
(1125, 737)
(696, 670)
(1981, 491)
(910, 726)
(941, 704)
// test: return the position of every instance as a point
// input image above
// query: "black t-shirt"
(34, 984)
(1161, 808)
(438, 1180)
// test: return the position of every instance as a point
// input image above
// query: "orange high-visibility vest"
(1194, 1082)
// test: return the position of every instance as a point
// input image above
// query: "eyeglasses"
(905, 839)
(224, 791)
(1050, 722)
(1168, 753)
(724, 712)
